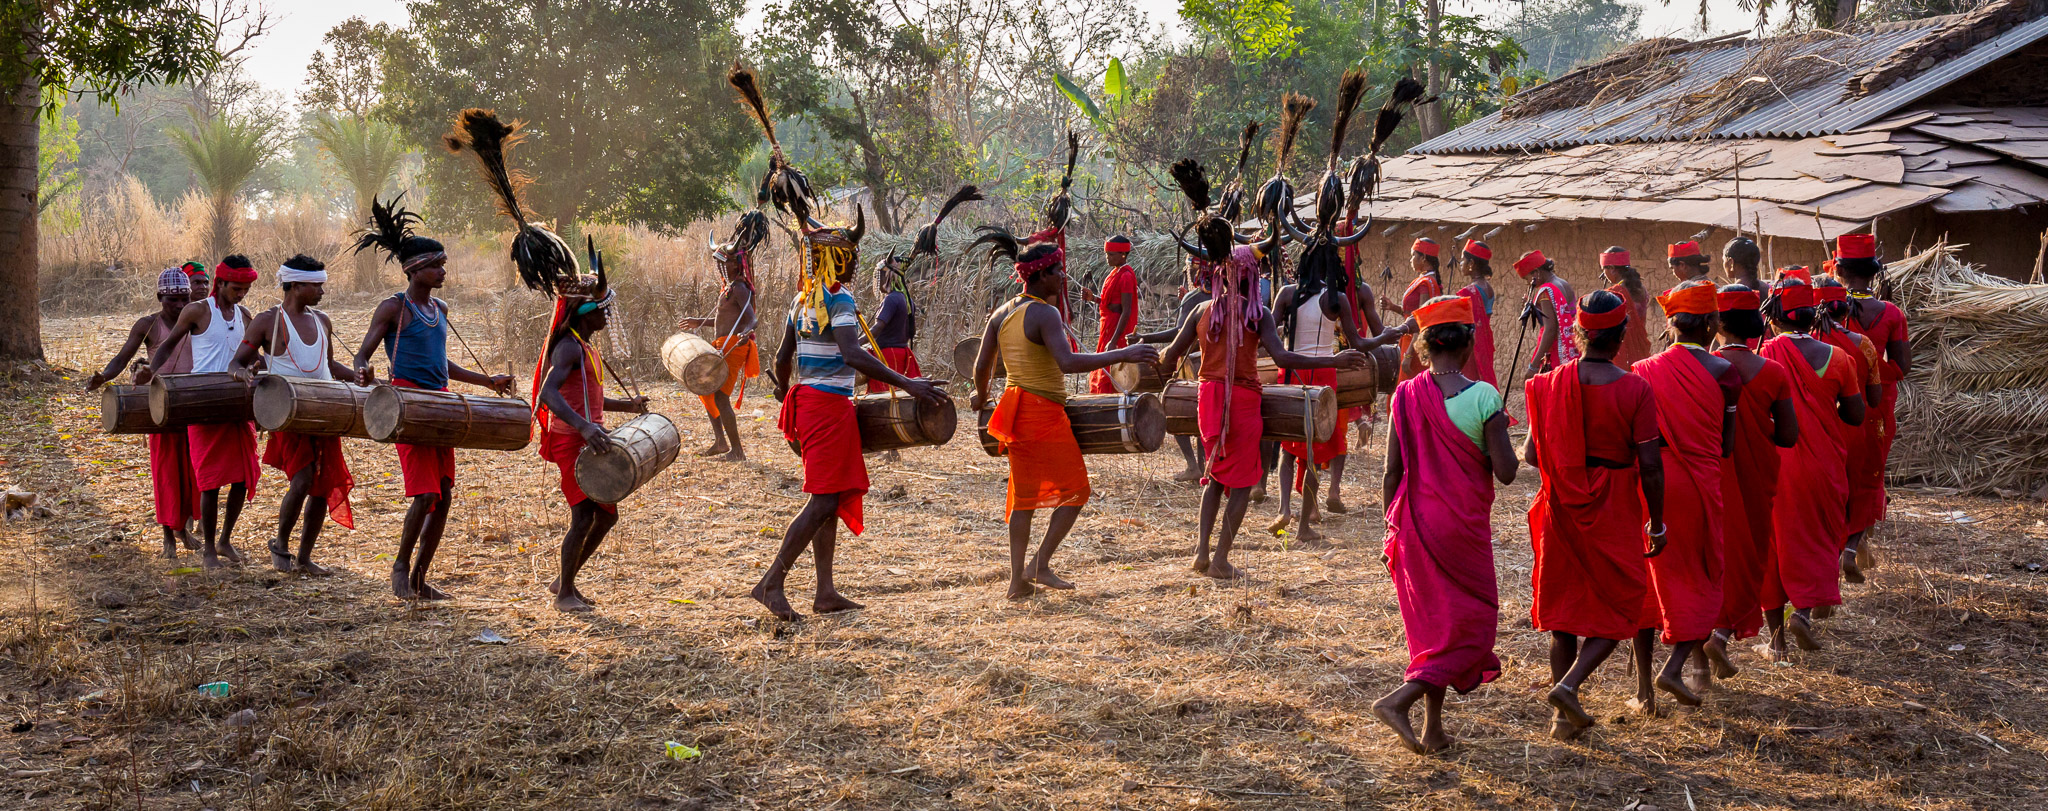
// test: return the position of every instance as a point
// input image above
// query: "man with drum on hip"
(1046, 467)
(572, 394)
(223, 455)
(413, 327)
(295, 340)
(170, 460)
(735, 334)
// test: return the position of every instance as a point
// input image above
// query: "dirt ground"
(1149, 687)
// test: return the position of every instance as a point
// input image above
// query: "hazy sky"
(280, 62)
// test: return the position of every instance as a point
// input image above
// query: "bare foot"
(228, 550)
(1646, 707)
(1335, 505)
(1436, 741)
(281, 561)
(1309, 533)
(1801, 629)
(1852, 568)
(1698, 678)
(1821, 612)
(1866, 558)
(1259, 492)
(555, 586)
(714, 450)
(1566, 701)
(1279, 525)
(426, 591)
(1397, 720)
(1222, 570)
(830, 602)
(569, 602)
(1022, 589)
(209, 560)
(314, 569)
(736, 455)
(170, 549)
(1716, 651)
(1563, 730)
(1678, 690)
(1202, 562)
(1046, 578)
(776, 603)
(1773, 652)
(401, 583)
(1189, 475)
(185, 537)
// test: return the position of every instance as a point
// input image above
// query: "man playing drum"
(735, 334)
(296, 340)
(412, 326)
(170, 455)
(1046, 469)
(572, 393)
(223, 455)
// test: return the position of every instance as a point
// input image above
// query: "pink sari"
(1440, 544)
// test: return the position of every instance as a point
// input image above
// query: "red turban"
(1529, 263)
(230, 274)
(1426, 246)
(1696, 299)
(1682, 250)
(1739, 300)
(1457, 310)
(1614, 259)
(1607, 320)
(1478, 249)
(1856, 246)
(1795, 296)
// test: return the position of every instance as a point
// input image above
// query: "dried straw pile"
(1629, 73)
(1777, 67)
(1973, 416)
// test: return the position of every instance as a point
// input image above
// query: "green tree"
(98, 47)
(347, 73)
(57, 157)
(224, 153)
(368, 153)
(1562, 34)
(628, 115)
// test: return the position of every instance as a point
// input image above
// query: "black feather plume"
(749, 231)
(1060, 207)
(1365, 179)
(390, 226)
(1406, 90)
(544, 261)
(784, 185)
(1244, 148)
(928, 236)
(748, 86)
(1001, 243)
(1294, 109)
(1349, 90)
(1187, 173)
(1073, 154)
(1406, 94)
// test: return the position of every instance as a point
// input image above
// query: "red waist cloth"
(1328, 449)
(825, 427)
(899, 359)
(1046, 469)
(742, 361)
(1810, 516)
(1685, 579)
(1234, 462)
(224, 455)
(561, 446)
(1440, 544)
(171, 479)
(423, 468)
(292, 453)
(1586, 523)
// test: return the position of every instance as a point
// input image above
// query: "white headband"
(287, 274)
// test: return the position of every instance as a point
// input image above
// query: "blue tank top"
(418, 349)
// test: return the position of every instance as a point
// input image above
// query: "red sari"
(1866, 451)
(1440, 544)
(1419, 292)
(1747, 495)
(1809, 517)
(1890, 326)
(1586, 522)
(1685, 579)
(1635, 338)
(1480, 365)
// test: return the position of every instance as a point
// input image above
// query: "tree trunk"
(21, 319)
(1431, 116)
(223, 236)
(1845, 13)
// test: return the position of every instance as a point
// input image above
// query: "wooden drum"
(125, 410)
(443, 419)
(1103, 423)
(1386, 360)
(642, 447)
(894, 420)
(1137, 377)
(303, 405)
(213, 398)
(1298, 413)
(694, 363)
(1355, 387)
(1178, 402)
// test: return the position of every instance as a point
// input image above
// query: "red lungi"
(900, 360)
(223, 455)
(1326, 450)
(291, 453)
(1811, 512)
(1235, 464)
(1586, 522)
(422, 467)
(824, 426)
(171, 479)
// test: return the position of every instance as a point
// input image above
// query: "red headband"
(1478, 249)
(1117, 245)
(1426, 246)
(1682, 250)
(1825, 293)
(1455, 311)
(1794, 296)
(1614, 259)
(1031, 268)
(1738, 300)
(230, 274)
(1529, 263)
(1607, 320)
(1856, 246)
(1697, 300)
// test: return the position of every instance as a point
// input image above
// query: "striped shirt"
(818, 362)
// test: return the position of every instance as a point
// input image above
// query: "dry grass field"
(1149, 687)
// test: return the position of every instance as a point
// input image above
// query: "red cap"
(1739, 300)
(1682, 250)
(1455, 311)
(1607, 320)
(1529, 263)
(1614, 259)
(1426, 246)
(1117, 244)
(1794, 295)
(1478, 249)
(1696, 299)
(1799, 272)
(1856, 246)
(1824, 293)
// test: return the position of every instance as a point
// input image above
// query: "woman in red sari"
(1428, 284)
(1696, 394)
(1866, 449)
(1449, 435)
(1765, 421)
(1593, 437)
(1812, 506)
(1478, 259)
(1885, 325)
(1625, 282)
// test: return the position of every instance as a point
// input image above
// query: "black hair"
(1690, 322)
(1742, 252)
(1744, 324)
(1595, 303)
(236, 260)
(1447, 337)
(1859, 268)
(303, 262)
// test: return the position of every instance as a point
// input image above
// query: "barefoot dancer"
(1593, 437)
(1812, 505)
(1865, 442)
(1625, 282)
(412, 327)
(1765, 421)
(1046, 467)
(1449, 435)
(223, 455)
(1118, 306)
(314, 465)
(1696, 393)
(734, 328)
(1478, 261)
(1885, 325)
(1195, 291)
(171, 480)
(1551, 304)
(570, 388)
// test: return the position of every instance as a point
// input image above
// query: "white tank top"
(214, 349)
(295, 358)
(1314, 334)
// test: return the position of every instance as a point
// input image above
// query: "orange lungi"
(742, 359)
(1045, 460)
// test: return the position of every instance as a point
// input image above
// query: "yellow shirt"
(1031, 366)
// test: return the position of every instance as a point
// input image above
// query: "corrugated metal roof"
(1816, 109)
